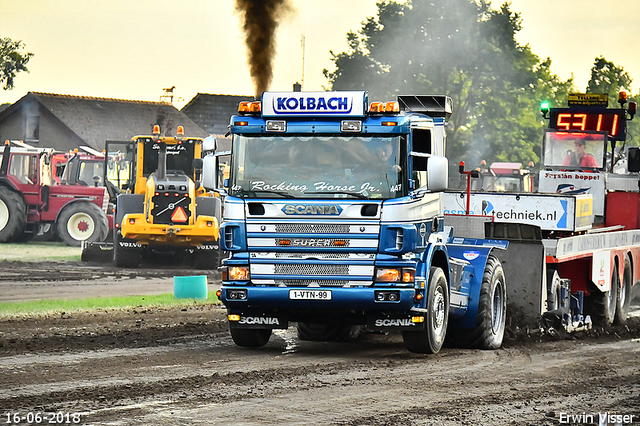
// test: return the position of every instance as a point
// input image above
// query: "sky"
(134, 49)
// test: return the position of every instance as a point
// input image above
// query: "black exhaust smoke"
(261, 18)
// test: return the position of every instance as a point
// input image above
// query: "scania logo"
(259, 321)
(308, 209)
(394, 322)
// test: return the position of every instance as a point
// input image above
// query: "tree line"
(467, 50)
(462, 48)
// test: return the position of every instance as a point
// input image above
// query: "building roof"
(213, 112)
(96, 120)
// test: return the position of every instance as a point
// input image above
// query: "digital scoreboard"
(612, 121)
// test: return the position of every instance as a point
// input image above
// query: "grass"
(44, 307)
(39, 251)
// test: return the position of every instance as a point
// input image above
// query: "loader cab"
(119, 166)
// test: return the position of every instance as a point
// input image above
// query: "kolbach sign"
(327, 104)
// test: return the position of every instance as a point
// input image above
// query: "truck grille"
(316, 283)
(313, 269)
(310, 228)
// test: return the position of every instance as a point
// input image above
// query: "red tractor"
(30, 199)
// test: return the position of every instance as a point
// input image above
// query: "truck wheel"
(491, 319)
(125, 257)
(13, 215)
(430, 340)
(250, 337)
(623, 301)
(82, 221)
(328, 333)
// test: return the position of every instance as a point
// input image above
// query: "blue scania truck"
(333, 222)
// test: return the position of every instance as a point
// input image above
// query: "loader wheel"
(206, 259)
(430, 340)
(250, 337)
(82, 221)
(13, 215)
(491, 319)
(623, 301)
(125, 257)
(328, 333)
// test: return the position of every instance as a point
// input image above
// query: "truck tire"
(82, 221)
(250, 337)
(623, 301)
(430, 340)
(491, 319)
(328, 333)
(13, 215)
(125, 257)
(602, 304)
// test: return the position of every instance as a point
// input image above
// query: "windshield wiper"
(244, 193)
(353, 194)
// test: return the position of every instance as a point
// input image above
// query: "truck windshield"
(316, 167)
(574, 150)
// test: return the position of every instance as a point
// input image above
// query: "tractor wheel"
(13, 215)
(250, 337)
(82, 221)
(624, 294)
(327, 333)
(430, 340)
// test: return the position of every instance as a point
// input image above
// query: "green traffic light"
(544, 106)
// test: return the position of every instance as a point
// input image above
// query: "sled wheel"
(624, 294)
(488, 332)
(327, 333)
(82, 221)
(13, 215)
(430, 340)
(603, 303)
(554, 295)
(250, 337)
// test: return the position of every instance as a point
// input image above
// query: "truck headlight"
(394, 275)
(235, 273)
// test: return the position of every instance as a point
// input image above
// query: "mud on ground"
(178, 366)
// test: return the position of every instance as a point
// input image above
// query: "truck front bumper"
(300, 298)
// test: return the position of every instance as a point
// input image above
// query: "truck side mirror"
(210, 172)
(437, 173)
(209, 144)
(633, 159)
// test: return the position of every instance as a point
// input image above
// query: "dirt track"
(180, 367)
